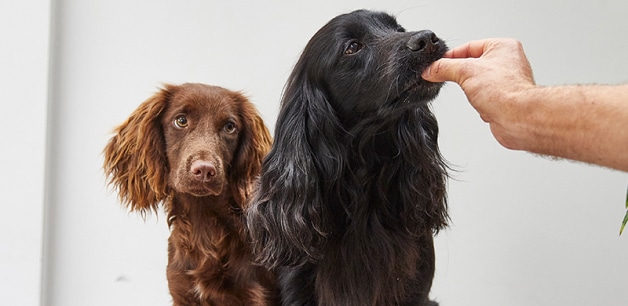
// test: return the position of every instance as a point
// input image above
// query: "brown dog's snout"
(423, 41)
(203, 170)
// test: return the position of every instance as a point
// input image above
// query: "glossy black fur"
(354, 186)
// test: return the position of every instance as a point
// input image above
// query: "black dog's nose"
(423, 41)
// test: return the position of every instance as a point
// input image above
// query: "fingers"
(464, 61)
(450, 66)
(472, 49)
(445, 69)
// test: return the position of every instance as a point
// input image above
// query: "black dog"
(354, 186)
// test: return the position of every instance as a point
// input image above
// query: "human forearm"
(585, 123)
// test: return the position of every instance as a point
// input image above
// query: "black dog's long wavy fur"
(354, 186)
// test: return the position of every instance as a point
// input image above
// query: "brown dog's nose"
(203, 170)
(423, 41)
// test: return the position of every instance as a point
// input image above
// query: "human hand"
(492, 73)
(569, 121)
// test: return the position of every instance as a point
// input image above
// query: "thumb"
(444, 69)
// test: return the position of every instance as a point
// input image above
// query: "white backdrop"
(24, 39)
(525, 230)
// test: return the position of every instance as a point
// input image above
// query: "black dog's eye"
(181, 121)
(230, 127)
(353, 48)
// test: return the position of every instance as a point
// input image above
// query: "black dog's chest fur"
(378, 220)
(379, 152)
(378, 249)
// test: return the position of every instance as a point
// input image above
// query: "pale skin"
(587, 123)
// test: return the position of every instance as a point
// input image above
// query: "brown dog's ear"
(255, 142)
(135, 157)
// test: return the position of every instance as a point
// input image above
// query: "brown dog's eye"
(353, 48)
(181, 121)
(230, 127)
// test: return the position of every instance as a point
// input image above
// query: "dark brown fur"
(196, 149)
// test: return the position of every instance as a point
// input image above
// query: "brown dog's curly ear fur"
(135, 160)
(255, 142)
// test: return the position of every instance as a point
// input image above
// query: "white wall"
(23, 84)
(526, 230)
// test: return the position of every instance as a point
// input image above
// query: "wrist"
(516, 125)
(546, 113)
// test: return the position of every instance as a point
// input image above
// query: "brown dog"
(197, 150)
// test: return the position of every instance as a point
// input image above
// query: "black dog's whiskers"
(354, 186)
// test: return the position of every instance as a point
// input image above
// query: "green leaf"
(623, 223)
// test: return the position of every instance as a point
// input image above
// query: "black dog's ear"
(286, 219)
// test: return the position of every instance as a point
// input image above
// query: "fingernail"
(426, 72)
